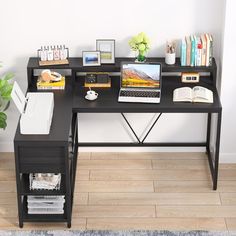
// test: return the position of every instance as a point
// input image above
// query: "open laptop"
(140, 82)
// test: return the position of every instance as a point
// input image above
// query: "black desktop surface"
(107, 100)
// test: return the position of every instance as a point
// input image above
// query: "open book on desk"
(195, 94)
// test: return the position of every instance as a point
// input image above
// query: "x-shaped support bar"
(136, 136)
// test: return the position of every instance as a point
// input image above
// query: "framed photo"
(91, 58)
(107, 50)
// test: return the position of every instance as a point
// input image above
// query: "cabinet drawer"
(42, 159)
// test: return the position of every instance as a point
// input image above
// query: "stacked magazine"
(42, 204)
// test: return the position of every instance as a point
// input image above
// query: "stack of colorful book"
(52, 85)
(197, 50)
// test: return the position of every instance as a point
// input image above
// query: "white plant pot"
(170, 58)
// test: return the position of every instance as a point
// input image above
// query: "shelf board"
(42, 217)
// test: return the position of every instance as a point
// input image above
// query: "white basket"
(48, 181)
(46, 198)
(45, 211)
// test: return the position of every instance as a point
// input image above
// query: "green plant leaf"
(6, 93)
(8, 76)
(3, 120)
(6, 87)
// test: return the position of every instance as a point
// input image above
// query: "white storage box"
(36, 110)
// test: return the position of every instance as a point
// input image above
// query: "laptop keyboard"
(135, 93)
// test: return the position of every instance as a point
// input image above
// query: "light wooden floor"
(171, 191)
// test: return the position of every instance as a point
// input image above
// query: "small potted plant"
(5, 96)
(141, 44)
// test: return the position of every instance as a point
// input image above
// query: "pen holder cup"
(170, 58)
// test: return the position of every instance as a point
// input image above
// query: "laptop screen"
(134, 75)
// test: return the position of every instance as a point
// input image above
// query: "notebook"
(140, 82)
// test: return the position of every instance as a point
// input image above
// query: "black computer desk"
(57, 152)
(107, 102)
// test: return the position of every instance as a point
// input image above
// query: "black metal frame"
(212, 159)
(70, 102)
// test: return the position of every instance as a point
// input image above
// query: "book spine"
(183, 52)
(51, 87)
(196, 50)
(199, 52)
(203, 50)
(192, 51)
(211, 50)
(188, 54)
(207, 49)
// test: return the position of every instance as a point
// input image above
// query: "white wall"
(26, 25)
(228, 85)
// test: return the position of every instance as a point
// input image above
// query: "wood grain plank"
(114, 211)
(227, 186)
(148, 156)
(156, 224)
(114, 164)
(7, 161)
(231, 166)
(6, 175)
(180, 164)
(8, 186)
(104, 156)
(8, 211)
(84, 155)
(8, 198)
(150, 175)
(227, 174)
(154, 199)
(228, 198)
(183, 186)
(196, 211)
(76, 224)
(114, 186)
(8, 223)
(81, 198)
(231, 223)
(82, 175)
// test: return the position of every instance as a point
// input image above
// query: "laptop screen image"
(135, 75)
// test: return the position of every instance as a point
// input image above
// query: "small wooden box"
(190, 77)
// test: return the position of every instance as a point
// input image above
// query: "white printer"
(36, 110)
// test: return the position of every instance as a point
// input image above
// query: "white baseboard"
(228, 158)
(6, 147)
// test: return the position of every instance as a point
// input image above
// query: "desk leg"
(208, 133)
(217, 150)
(213, 157)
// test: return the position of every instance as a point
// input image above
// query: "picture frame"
(107, 50)
(91, 58)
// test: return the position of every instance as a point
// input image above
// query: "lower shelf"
(42, 217)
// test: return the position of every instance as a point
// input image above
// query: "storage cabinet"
(53, 153)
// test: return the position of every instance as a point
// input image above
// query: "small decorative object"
(107, 50)
(190, 77)
(170, 53)
(91, 58)
(97, 80)
(141, 44)
(91, 95)
(50, 80)
(5, 96)
(56, 55)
